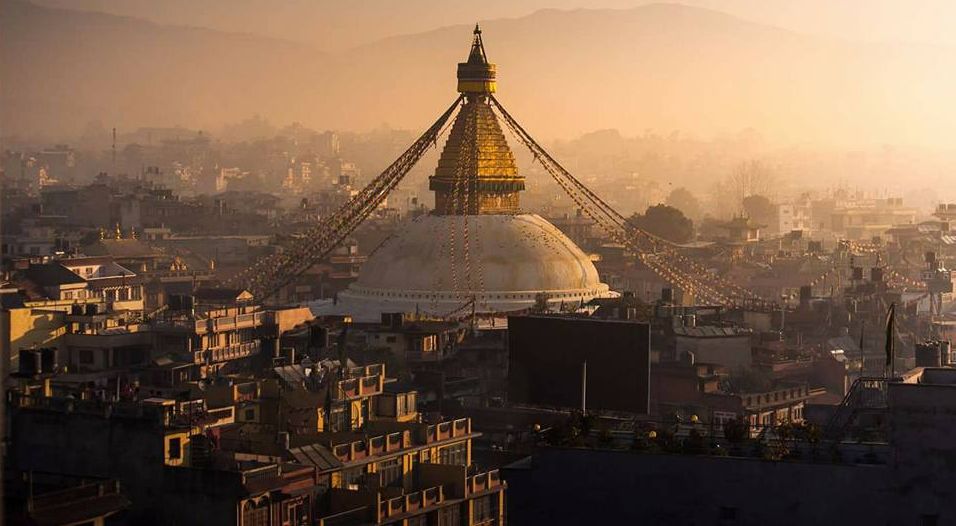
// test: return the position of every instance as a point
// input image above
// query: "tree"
(665, 221)
(749, 178)
(683, 200)
(760, 209)
(736, 430)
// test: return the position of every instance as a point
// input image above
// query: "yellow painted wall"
(183, 449)
(26, 328)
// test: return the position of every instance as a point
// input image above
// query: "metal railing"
(228, 352)
(482, 482)
(866, 394)
(371, 446)
(410, 502)
(448, 429)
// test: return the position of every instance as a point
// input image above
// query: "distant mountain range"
(62, 69)
(660, 66)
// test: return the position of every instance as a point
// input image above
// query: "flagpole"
(862, 354)
(890, 341)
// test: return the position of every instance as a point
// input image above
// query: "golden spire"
(476, 173)
(477, 75)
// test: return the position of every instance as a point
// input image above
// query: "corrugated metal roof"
(707, 331)
(316, 455)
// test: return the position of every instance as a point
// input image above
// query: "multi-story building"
(415, 340)
(379, 461)
(795, 215)
(132, 441)
(212, 328)
(863, 220)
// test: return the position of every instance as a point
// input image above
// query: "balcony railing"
(410, 502)
(367, 370)
(75, 494)
(482, 482)
(228, 352)
(360, 386)
(166, 416)
(446, 430)
(229, 323)
(372, 446)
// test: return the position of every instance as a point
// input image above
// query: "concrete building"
(727, 346)
(898, 477)
(863, 220)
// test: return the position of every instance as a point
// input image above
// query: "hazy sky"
(336, 24)
(839, 72)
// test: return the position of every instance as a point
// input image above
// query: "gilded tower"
(476, 173)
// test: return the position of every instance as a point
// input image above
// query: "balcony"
(372, 446)
(229, 352)
(229, 323)
(361, 386)
(447, 430)
(367, 370)
(410, 503)
(482, 482)
(221, 416)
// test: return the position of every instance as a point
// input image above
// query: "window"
(406, 404)
(456, 454)
(338, 421)
(483, 509)
(297, 513)
(390, 472)
(421, 520)
(449, 516)
(175, 448)
(67, 295)
(250, 415)
(255, 514)
(352, 478)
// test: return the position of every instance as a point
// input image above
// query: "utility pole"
(584, 387)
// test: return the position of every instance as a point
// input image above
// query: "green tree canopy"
(683, 200)
(665, 221)
(760, 209)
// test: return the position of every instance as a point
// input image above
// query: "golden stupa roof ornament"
(476, 173)
(477, 75)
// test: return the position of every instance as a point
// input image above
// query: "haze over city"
(295, 262)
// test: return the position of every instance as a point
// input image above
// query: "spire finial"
(477, 54)
(476, 75)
